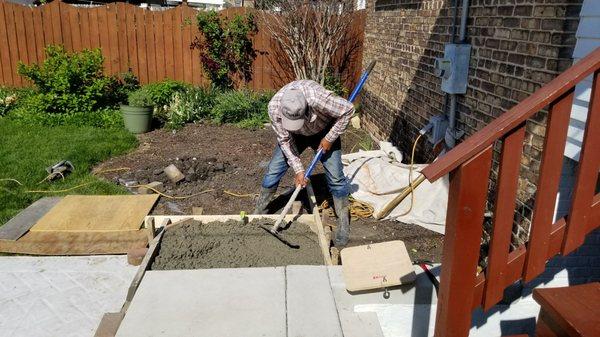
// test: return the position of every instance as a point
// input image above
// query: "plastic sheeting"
(376, 177)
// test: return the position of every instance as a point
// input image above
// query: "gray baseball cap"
(293, 109)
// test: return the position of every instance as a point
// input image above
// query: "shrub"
(191, 105)
(161, 94)
(244, 108)
(334, 83)
(68, 83)
(226, 47)
(102, 118)
(8, 100)
(140, 98)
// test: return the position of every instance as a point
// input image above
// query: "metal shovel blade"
(279, 237)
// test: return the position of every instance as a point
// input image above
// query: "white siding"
(588, 39)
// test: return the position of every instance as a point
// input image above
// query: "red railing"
(469, 164)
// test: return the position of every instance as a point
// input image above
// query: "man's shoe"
(342, 233)
(265, 196)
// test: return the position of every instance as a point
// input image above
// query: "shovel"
(276, 227)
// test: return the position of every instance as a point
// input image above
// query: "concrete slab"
(22, 222)
(208, 302)
(60, 296)
(311, 308)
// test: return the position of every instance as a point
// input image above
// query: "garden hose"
(410, 175)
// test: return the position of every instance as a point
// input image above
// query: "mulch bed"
(226, 159)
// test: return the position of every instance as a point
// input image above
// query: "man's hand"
(299, 180)
(325, 145)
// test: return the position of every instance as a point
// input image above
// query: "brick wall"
(518, 45)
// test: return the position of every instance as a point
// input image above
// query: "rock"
(173, 207)
(191, 177)
(197, 210)
(191, 171)
(173, 173)
(219, 167)
(157, 172)
(155, 184)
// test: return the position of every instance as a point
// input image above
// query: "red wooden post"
(550, 170)
(508, 179)
(468, 191)
(587, 175)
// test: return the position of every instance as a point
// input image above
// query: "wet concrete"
(234, 244)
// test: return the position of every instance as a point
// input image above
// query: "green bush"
(191, 105)
(8, 100)
(101, 118)
(334, 83)
(161, 94)
(68, 83)
(244, 108)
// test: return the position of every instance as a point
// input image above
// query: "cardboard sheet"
(97, 213)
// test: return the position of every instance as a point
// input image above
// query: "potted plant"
(137, 114)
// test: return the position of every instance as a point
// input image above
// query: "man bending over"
(305, 114)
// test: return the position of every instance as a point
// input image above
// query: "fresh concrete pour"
(234, 244)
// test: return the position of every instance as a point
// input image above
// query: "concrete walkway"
(60, 296)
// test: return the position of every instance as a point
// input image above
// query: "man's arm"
(286, 142)
(335, 106)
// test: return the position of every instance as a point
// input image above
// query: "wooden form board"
(97, 213)
(375, 266)
(76, 243)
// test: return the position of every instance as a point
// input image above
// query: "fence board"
(132, 51)
(54, 8)
(141, 45)
(38, 31)
(154, 44)
(113, 38)
(29, 35)
(122, 36)
(65, 25)
(20, 30)
(11, 29)
(94, 31)
(545, 199)
(74, 27)
(168, 32)
(7, 76)
(103, 30)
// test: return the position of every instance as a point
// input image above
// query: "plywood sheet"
(375, 266)
(96, 213)
(76, 243)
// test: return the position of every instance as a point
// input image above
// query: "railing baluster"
(545, 197)
(587, 175)
(508, 179)
(466, 206)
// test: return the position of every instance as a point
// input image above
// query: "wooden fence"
(154, 44)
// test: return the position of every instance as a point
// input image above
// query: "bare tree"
(309, 32)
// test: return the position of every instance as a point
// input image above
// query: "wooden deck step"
(569, 311)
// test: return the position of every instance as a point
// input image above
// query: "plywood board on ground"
(375, 266)
(96, 213)
(76, 243)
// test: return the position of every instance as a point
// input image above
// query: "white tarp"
(376, 177)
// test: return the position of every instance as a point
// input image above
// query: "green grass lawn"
(26, 151)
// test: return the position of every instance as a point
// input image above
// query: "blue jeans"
(332, 163)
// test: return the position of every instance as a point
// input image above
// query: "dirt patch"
(234, 244)
(245, 155)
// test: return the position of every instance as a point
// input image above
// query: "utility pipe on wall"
(451, 134)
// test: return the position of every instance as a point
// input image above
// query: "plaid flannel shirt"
(324, 107)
